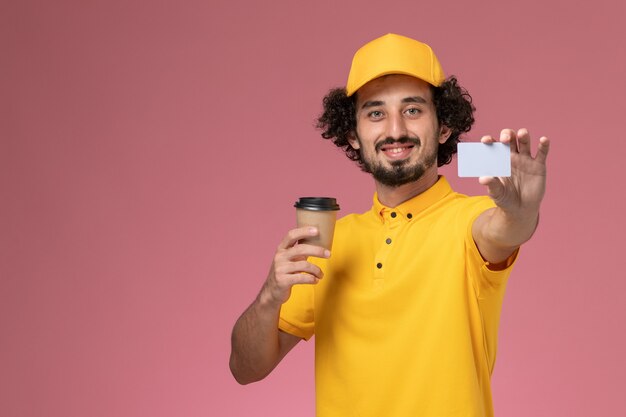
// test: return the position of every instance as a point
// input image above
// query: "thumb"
(494, 185)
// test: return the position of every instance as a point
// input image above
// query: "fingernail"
(327, 253)
(313, 231)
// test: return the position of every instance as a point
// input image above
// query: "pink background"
(150, 154)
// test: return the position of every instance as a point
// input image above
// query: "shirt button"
(409, 216)
(393, 214)
(379, 265)
(388, 241)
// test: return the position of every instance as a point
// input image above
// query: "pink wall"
(150, 154)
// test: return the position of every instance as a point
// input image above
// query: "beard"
(401, 172)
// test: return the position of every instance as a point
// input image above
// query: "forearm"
(255, 344)
(498, 234)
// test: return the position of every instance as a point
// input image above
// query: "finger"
(543, 149)
(293, 268)
(508, 136)
(296, 234)
(304, 250)
(304, 278)
(523, 141)
(487, 139)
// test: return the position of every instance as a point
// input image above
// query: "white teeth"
(396, 150)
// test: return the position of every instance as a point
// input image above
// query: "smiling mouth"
(396, 147)
(397, 151)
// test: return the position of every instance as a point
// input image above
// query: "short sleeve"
(489, 286)
(297, 314)
(484, 278)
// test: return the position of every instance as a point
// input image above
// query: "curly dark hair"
(452, 102)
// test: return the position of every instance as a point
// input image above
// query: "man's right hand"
(291, 267)
(257, 345)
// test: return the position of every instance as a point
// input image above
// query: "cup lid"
(317, 203)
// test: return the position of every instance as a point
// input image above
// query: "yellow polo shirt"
(406, 316)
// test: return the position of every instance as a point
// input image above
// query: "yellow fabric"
(415, 337)
(393, 54)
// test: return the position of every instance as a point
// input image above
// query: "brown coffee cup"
(320, 212)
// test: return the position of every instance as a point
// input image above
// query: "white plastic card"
(476, 159)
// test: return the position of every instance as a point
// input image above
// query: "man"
(406, 310)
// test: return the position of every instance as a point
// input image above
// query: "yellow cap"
(393, 54)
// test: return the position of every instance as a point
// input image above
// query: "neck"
(394, 196)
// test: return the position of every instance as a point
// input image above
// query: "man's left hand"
(500, 231)
(522, 192)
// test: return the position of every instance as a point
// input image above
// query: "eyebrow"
(415, 99)
(369, 104)
(376, 103)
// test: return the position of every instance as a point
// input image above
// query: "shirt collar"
(410, 208)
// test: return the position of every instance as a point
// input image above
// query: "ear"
(444, 134)
(353, 140)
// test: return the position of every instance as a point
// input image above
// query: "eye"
(413, 111)
(375, 114)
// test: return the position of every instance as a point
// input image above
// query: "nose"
(396, 127)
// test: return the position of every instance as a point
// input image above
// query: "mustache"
(401, 140)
